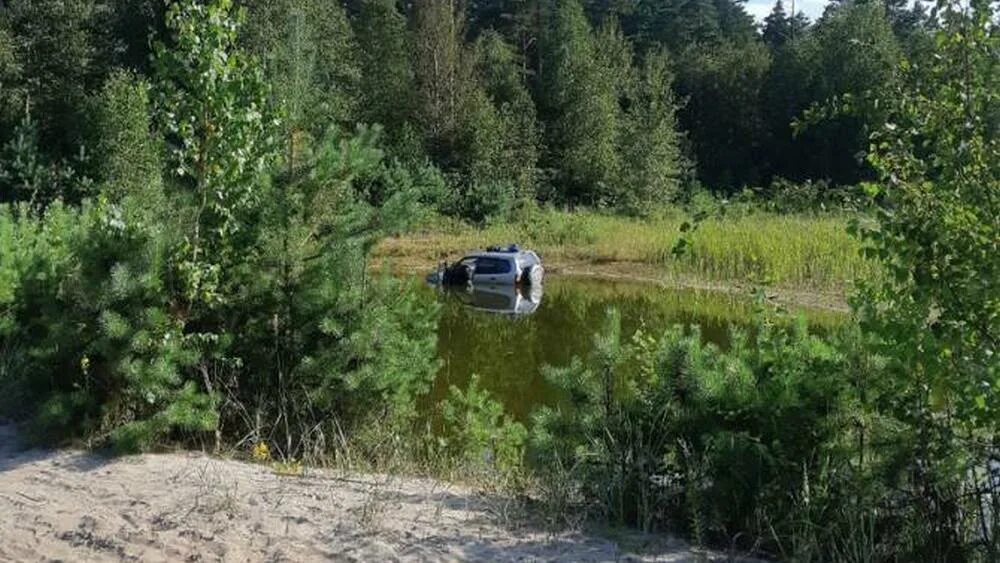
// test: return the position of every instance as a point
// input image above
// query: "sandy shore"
(77, 506)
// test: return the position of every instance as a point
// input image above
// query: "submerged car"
(508, 265)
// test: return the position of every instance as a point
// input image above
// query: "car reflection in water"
(500, 299)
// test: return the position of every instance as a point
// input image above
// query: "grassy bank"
(801, 251)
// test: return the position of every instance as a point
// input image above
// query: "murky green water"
(506, 338)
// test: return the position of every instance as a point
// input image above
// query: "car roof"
(499, 255)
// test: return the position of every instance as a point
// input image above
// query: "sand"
(77, 506)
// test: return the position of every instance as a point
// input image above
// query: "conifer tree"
(28, 174)
(387, 82)
(55, 50)
(653, 162)
(735, 24)
(310, 53)
(679, 23)
(443, 74)
(777, 26)
(127, 153)
(498, 73)
(582, 106)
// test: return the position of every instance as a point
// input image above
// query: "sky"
(761, 8)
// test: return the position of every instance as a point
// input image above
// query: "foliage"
(54, 51)
(310, 55)
(478, 430)
(894, 424)
(186, 241)
(670, 432)
(505, 147)
(36, 256)
(653, 163)
(387, 79)
(211, 101)
(443, 74)
(855, 45)
(476, 116)
(329, 344)
(482, 202)
(937, 313)
(479, 86)
(582, 100)
(938, 231)
(28, 175)
(123, 141)
(785, 196)
(723, 86)
(11, 91)
(97, 325)
(228, 292)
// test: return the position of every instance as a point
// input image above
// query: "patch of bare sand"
(77, 506)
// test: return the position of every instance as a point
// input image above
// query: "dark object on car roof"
(509, 249)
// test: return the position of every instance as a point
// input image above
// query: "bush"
(785, 196)
(479, 433)
(671, 433)
(551, 227)
(103, 352)
(37, 255)
(482, 202)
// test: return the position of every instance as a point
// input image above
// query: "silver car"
(494, 266)
(504, 267)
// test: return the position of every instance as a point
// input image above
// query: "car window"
(492, 266)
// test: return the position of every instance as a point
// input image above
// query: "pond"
(506, 337)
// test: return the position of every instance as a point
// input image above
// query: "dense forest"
(191, 192)
(616, 104)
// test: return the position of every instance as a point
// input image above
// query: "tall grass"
(802, 250)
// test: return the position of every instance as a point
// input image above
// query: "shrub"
(479, 433)
(671, 433)
(480, 202)
(37, 255)
(551, 227)
(103, 352)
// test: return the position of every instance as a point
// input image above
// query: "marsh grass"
(811, 251)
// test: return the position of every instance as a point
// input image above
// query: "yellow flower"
(260, 452)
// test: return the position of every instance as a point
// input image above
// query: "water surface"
(506, 338)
